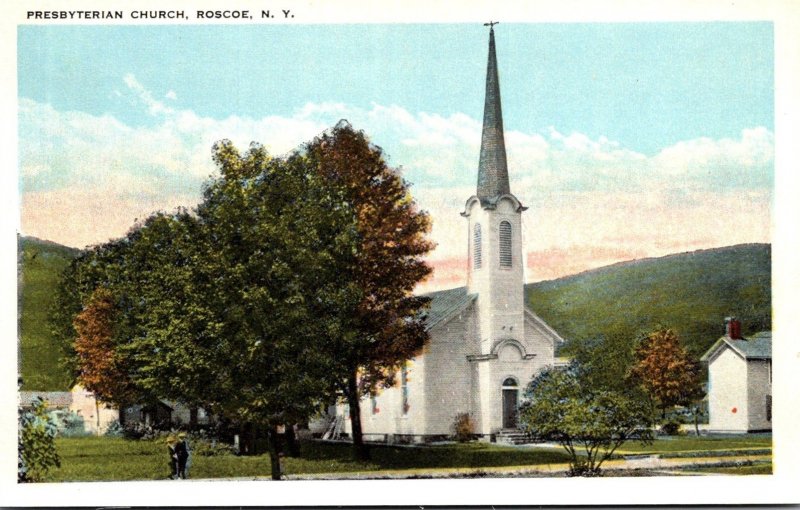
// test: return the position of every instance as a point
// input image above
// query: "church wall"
(389, 422)
(539, 342)
(448, 385)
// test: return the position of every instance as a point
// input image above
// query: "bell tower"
(495, 269)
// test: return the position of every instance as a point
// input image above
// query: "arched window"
(476, 246)
(505, 244)
(510, 382)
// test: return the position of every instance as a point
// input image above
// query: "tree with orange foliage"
(385, 328)
(100, 369)
(665, 370)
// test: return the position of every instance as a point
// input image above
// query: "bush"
(463, 428)
(672, 427)
(209, 447)
(72, 425)
(115, 429)
(36, 448)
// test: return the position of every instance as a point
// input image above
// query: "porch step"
(513, 436)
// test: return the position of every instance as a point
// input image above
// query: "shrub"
(115, 429)
(72, 425)
(672, 427)
(463, 428)
(36, 449)
(209, 447)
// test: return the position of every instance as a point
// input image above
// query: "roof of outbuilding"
(53, 398)
(446, 303)
(757, 346)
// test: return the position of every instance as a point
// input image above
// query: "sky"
(625, 140)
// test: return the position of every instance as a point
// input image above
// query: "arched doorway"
(510, 391)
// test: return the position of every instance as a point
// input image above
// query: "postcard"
(293, 253)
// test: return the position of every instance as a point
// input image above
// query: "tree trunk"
(274, 455)
(360, 450)
(292, 448)
(97, 414)
(193, 418)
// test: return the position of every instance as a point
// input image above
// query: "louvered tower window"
(476, 246)
(505, 244)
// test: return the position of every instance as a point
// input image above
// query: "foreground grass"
(106, 459)
(711, 444)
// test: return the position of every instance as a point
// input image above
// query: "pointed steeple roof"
(492, 169)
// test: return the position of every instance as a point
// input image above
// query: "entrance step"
(513, 436)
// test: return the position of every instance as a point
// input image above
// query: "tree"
(589, 423)
(604, 361)
(278, 236)
(101, 370)
(666, 371)
(36, 449)
(385, 327)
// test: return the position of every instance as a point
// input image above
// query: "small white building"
(740, 381)
(485, 343)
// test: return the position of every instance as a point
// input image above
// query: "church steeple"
(492, 169)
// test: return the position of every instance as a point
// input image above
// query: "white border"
(778, 488)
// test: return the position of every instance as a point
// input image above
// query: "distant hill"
(40, 264)
(689, 292)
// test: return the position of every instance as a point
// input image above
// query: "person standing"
(183, 456)
(172, 447)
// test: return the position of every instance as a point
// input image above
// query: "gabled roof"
(445, 304)
(52, 398)
(540, 323)
(757, 346)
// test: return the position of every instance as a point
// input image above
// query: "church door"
(510, 399)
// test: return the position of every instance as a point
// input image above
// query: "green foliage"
(36, 449)
(605, 362)
(463, 428)
(589, 423)
(40, 264)
(691, 292)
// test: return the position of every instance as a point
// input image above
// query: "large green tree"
(385, 327)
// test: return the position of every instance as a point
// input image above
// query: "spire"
(492, 169)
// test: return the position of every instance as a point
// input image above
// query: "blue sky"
(645, 85)
(647, 117)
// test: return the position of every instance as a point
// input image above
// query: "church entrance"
(510, 400)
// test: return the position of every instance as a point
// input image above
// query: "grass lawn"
(103, 458)
(691, 443)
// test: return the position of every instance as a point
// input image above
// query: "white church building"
(485, 344)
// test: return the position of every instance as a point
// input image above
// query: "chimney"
(733, 328)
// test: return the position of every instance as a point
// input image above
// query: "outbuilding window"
(505, 244)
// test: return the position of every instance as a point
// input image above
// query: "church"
(485, 344)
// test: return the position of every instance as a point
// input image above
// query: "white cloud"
(86, 177)
(171, 94)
